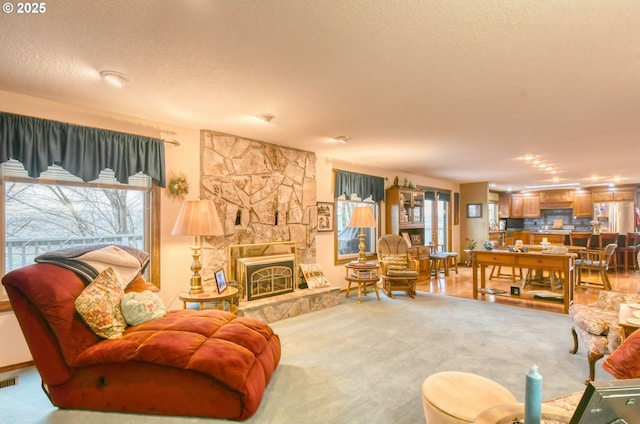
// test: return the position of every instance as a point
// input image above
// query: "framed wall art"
(474, 210)
(325, 216)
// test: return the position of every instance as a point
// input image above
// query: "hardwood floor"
(461, 285)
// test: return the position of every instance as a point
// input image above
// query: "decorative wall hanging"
(178, 187)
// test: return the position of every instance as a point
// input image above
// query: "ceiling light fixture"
(343, 139)
(117, 79)
(266, 117)
(552, 185)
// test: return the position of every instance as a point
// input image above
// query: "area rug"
(365, 363)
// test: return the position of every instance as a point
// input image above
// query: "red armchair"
(195, 363)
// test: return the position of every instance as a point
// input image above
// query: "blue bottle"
(533, 397)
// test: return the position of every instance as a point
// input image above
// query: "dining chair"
(606, 239)
(596, 260)
(627, 253)
(580, 238)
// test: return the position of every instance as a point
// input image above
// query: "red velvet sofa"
(196, 363)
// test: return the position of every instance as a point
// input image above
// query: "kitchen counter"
(552, 236)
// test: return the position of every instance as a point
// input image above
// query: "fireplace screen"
(266, 275)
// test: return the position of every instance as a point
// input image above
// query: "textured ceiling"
(457, 90)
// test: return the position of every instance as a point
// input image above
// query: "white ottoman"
(454, 397)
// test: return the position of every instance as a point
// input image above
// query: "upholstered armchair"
(596, 260)
(398, 270)
(596, 325)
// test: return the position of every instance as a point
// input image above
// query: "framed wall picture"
(474, 210)
(221, 280)
(325, 216)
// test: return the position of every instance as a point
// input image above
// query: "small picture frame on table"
(325, 216)
(515, 291)
(221, 280)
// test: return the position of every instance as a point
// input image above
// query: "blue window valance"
(443, 196)
(363, 186)
(82, 151)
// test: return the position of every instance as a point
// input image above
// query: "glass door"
(436, 218)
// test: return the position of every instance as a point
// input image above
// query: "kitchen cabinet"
(525, 206)
(550, 196)
(614, 196)
(504, 202)
(516, 206)
(582, 204)
(405, 212)
(531, 206)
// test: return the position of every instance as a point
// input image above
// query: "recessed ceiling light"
(117, 79)
(343, 139)
(266, 117)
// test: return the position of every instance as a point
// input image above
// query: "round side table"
(364, 275)
(514, 412)
(225, 299)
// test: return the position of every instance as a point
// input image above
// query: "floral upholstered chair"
(596, 325)
(398, 270)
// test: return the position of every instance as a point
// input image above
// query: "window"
(347, 239)
(58, 210)
(437, 218)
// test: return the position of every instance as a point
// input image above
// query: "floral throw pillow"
(314, 276)
(99, 305)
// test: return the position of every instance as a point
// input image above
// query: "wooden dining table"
(561, 263)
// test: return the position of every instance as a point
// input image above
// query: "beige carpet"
(364, 363)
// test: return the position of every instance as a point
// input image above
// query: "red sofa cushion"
(215, 343)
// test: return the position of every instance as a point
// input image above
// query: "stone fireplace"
(264, 193)
(266, 275)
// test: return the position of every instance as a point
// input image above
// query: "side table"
(364, 275)
(224, 299)
(627, 321)
(514, 413)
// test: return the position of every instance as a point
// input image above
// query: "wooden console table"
(562, 263)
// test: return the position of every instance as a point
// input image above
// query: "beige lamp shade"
(197, 218)
(362, 217)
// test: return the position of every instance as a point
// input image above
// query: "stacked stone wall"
(263, 193)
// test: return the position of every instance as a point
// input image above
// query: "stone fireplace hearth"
(285, 302)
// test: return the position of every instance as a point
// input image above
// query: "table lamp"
(197, 218)
(362, 217)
